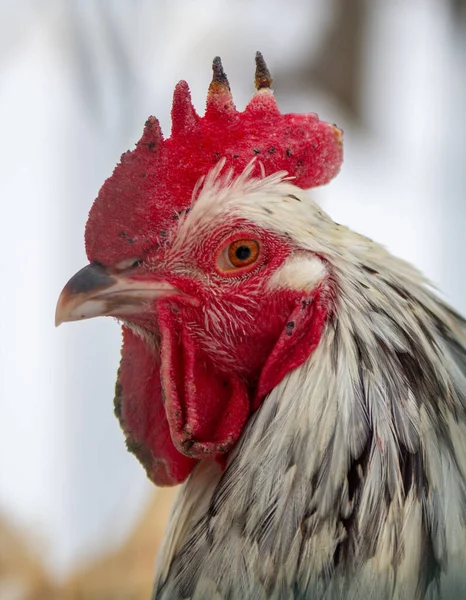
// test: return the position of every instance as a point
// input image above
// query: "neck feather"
(353, 468)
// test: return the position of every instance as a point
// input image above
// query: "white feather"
(359, 453)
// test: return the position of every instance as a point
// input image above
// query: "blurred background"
(78, 78)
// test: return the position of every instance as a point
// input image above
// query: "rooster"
(307, 387)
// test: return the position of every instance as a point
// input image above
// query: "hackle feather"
(350, 480)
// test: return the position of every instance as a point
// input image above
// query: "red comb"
(155, 181)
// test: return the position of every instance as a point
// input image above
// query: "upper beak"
(94, 292)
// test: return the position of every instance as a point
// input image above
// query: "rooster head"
(189, 249)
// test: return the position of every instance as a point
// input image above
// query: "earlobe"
(300, 337)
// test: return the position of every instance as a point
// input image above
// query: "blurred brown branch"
(22, 575)
(124, 574)
(128, 572)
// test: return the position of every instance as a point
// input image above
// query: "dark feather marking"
(187, 561)
(322, 472)
(242, 519)
(363, 354)
(223, 490)
(401, 291)
(441, 326)
(427, 333)
(426, 386)
(416, 366)
(457, 350)
(347, 550)
(262, 530)
(420, 375)
(458, 355)
(428, 390)
(413, 473)
(432, 569)
(335, 348)
(369, 269)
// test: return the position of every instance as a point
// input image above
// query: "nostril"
(128, 263)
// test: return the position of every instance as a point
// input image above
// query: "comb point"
(184, 116)
(152, 137)
(219, 98)
(219, 78)
(262, 79)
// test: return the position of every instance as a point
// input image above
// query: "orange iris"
(243, 253)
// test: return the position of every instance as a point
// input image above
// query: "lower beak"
(95, 292)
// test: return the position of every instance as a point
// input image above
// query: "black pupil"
(243, 252)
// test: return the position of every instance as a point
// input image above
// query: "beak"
(95, 292)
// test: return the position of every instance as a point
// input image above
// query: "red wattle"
(206, 410)
(139, 407)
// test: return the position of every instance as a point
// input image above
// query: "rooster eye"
(237, 255)
(242, 253)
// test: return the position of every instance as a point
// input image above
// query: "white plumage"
(350, 480)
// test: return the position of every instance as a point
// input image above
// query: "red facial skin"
(190, 400)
